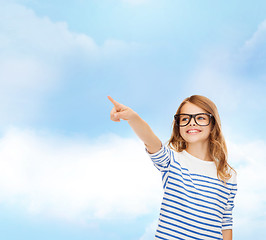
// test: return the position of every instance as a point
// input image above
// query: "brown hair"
(217, 145)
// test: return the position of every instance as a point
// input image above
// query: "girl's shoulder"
(233, 178)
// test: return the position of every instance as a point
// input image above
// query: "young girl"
(199, 184)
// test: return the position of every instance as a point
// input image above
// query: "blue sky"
(66, 170)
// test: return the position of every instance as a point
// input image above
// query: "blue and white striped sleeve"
(227, 222)
(161, 159)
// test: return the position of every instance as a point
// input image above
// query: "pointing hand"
(120, 111)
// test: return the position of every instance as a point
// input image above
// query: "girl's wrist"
(133, 117)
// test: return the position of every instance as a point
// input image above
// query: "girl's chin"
(194, 140)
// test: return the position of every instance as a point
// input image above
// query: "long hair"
(217, 145)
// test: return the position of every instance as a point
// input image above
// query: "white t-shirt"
(196, 204)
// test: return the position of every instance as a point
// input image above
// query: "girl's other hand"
(120, 111)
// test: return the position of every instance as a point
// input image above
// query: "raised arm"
(139, 126)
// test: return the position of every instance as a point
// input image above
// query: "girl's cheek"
(182, 133)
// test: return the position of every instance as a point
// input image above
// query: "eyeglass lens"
(201, 119)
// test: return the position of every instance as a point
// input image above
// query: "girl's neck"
(199, 150)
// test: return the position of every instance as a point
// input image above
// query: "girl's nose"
(192, 122)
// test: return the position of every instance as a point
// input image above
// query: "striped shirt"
(196, 204)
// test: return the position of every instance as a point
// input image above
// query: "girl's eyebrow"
(191, 113)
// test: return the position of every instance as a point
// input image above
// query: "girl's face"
(201, 133)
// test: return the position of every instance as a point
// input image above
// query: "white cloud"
(233, 77)
(252, 55)
(110, 177)
(23, 33)
(23, 30)
(249, 159)
(37, 55)
(77, 179)
(258, 38)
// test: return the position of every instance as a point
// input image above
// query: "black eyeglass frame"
(190, 117)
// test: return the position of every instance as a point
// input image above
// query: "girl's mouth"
(193, 131)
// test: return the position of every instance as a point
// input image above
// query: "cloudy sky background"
(67, 171)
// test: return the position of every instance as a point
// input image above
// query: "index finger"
(117, 104)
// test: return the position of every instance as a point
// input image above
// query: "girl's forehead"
(191, 108)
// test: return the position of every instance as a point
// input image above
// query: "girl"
(199, 184)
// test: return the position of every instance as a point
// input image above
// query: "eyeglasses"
(202, 119)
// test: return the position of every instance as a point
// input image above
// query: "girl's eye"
(184, 119)
(201, 117)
